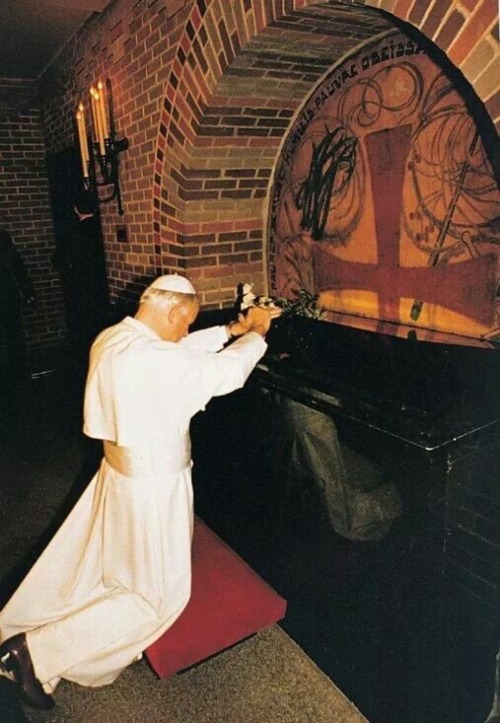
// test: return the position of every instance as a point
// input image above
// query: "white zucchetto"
(173, 282)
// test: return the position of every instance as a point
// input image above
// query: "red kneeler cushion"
(229, 602)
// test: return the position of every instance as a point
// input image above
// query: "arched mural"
(385, 203)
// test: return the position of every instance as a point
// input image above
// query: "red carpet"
(229, 602)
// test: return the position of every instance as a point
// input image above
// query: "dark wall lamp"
(99, 151)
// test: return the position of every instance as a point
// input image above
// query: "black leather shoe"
(15, 658)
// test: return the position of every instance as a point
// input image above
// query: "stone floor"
(396, 644)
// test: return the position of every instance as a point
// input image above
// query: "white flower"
(305, 303)
(248, 298)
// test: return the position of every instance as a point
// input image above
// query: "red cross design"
(467, 288)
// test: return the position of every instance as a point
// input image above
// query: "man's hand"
(257, 318)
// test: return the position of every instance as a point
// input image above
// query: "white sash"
(152, 459)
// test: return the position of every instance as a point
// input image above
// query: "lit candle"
(102, 108)
(95, 123)
(80, 122)
(81, 113)
(102, 145)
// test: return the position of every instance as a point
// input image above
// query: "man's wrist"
(235, 329)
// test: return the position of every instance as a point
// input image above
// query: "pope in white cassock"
(118, 572)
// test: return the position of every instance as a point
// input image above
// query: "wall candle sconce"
(99, 151)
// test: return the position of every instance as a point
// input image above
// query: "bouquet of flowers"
(305, 304)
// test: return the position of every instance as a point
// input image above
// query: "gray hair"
(163, 300)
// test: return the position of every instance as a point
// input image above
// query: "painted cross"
(467, 288)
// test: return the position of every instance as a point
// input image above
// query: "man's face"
(184, 316)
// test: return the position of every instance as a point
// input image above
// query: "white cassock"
(118, 572)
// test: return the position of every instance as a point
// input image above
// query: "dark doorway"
(79, 254)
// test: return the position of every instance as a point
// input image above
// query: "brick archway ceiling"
(236, 83)
(228, 105)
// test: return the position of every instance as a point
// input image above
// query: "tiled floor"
(392, 643)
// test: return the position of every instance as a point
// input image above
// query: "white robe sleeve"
(211, 339)
(217, 374)
(140, 386)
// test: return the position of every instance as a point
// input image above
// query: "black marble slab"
(424, 394)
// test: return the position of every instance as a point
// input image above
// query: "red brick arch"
(241, 73)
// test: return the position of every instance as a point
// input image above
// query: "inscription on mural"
(386, 52)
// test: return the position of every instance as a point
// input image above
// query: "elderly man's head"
(169, 306)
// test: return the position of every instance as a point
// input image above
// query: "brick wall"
(25, 209)
(205, 91)
(230, 98)
(131, 43)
